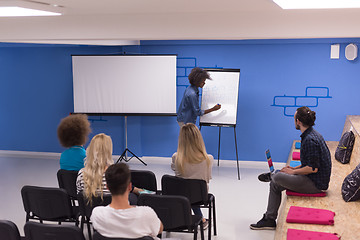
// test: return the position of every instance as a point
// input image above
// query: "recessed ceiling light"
(24, 12)
(317, 4)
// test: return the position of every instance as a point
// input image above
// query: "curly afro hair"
(73, 130)
(197, 75)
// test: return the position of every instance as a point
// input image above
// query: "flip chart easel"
(220, 126)
(223, 88)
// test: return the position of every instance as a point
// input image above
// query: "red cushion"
(296, 155)
(295, 234)
(310, 215)
(291, 193)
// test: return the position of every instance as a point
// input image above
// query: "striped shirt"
(80, 183)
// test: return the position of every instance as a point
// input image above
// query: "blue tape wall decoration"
(310, 99)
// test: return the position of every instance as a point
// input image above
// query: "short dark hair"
(197, 75)
(73, 130)
(117, 178)
(306, 116)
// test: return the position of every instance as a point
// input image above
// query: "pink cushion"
(296, 156)
(310, 215)
(295, 234)
(291, 193)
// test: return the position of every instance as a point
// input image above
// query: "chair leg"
(195, 232)
(214, 216)
(210, 222)
(82, 220)
(88, 227)
(202, 230)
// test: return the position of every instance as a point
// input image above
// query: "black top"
(315, 153)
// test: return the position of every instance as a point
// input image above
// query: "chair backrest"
(144, 179)
(9, 231)
(86, 208)
(39, 231)
(98, 236)
(46, 203)
(173, 211)
(67, 181)
(194, 189)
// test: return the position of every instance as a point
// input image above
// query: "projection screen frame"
(124, 113)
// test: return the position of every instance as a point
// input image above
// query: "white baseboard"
(153, 160)
(29, 154)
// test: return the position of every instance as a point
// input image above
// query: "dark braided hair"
(306, 116)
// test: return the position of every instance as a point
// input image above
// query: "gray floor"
(239, 202)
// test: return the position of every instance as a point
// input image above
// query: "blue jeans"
(197, 211)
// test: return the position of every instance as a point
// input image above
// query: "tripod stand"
(124, 156)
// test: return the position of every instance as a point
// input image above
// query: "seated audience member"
(119, 219)
(91, 178)
(191, 160)
(73, 132)
(312, 176)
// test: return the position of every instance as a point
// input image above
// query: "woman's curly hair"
(198, 75)
(73, 130)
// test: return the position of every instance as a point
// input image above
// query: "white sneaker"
(206, 224)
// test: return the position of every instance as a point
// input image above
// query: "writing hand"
(217, 107)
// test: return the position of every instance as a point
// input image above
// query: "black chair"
(174, 212)
(98, 236)
(86, 208)
(67, 181)
(38, 231)
(144, 179)
(49, 204)
(195, 190)
(9, 231)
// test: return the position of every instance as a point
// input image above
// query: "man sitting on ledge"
(312, 176)
(119, 219)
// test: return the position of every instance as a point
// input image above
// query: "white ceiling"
(121, 22)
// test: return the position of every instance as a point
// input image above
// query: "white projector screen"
(133, 84)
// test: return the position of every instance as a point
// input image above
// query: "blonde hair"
(191, 147)
(98, 158)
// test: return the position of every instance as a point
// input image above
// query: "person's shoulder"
(99, 210)
(78, 149)
(145, 210)
(81, 172)
(174, 155)
(65, 152)
(190, 91)
(315, 136)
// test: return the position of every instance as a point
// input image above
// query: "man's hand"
(298, 170)
(288, 170)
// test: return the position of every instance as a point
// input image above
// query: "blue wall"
(36, 92)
